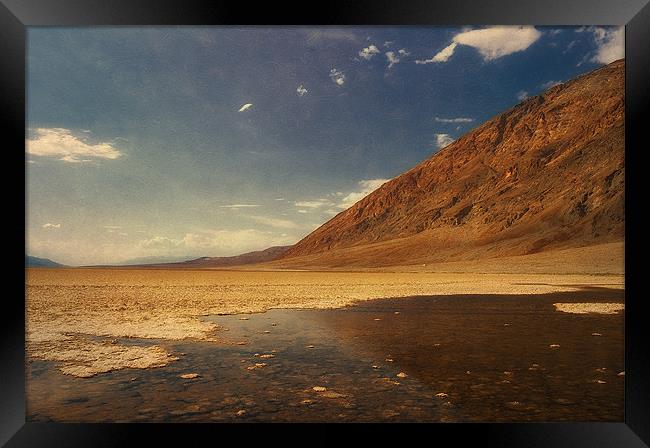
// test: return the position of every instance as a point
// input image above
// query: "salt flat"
(73, 314)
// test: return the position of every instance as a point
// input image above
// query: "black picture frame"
(16, 15)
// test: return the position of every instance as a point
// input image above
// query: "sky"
(171, 143)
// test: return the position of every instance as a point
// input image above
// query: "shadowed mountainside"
(545, 174)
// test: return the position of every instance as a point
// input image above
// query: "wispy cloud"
(49, 225)
(442, 56)
(240, 206)
(63, 145)
(245, 107)
(392, 58)
(337, 76)
(442, 140)
(395, 58)
(454, 120)
(549, 84)
(312, 204)
(366, 187)
(301, 90)
(522, 95)
(275, 222)
(368, 52)
(213, 243)
(335, 34)
(492, 42)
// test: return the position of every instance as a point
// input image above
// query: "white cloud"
(549, 84)
(492, 42)
(368, 52)
(388, 43)
(570, 46)
(337, 76)
(311, 204)
(442, 56)
(61, 144)
(443, 140)
(395, 58)
(275, 222)
(365, 188)
(245, 107)
(302, 91)
(611, 44)
(213, 243)
(49, 225)
(240, 206)
(522, 95)
(454, 120)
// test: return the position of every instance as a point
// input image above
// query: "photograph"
(349, 223)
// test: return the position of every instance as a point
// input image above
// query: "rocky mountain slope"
(547, 173)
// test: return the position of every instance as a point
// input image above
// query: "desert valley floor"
(536, 337)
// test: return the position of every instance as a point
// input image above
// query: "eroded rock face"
(547, 173)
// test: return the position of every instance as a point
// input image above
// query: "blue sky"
(179, 142)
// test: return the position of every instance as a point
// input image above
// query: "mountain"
(35, 262)
(147, 260)
(260, 256)
(545, 174)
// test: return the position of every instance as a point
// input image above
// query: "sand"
(66, 307)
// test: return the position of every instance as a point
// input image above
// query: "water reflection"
(447, 358)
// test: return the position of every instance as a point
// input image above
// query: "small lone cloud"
(240, 206)
(337, 76)
(549, 84)
(245, 107)
(395, 58)
(454, 120)
(368, 52)
(522, 95)
(49, 225)
(443, 140)
(301, 90)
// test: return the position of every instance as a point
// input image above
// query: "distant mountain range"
(260, 256)
(545, 174)
(35, 262)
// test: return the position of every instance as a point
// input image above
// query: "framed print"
(392, 213)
